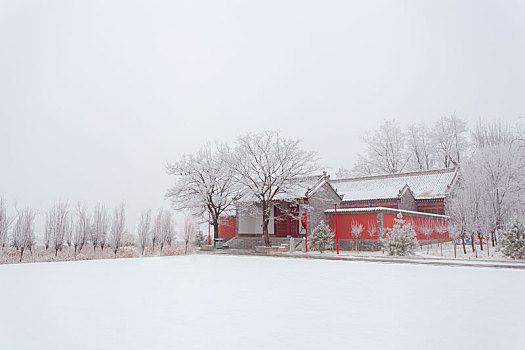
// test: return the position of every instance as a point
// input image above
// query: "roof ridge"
(386, 176)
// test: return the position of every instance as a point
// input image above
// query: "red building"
(371, 201)
(374, 201)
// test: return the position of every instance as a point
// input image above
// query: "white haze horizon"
(96, 97)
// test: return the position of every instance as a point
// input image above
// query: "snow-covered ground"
(242, 302)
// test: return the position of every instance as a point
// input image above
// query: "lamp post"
(209, 228)
(306, 228)
(336, 236)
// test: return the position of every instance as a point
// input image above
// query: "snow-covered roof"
(423, 184)
(302, 188)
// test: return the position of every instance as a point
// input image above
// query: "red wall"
(344, 224)
(388, 222)
(227, 227)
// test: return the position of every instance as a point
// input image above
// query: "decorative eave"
(385, 210)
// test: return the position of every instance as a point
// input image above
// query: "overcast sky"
(96, 96)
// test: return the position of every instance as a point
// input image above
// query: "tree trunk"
(216, 228)
(480, 241)
(455, 249)
(463, 243)
(472, 242)
(21, 253)
(266, 220)
(56, 252)
(488, 249)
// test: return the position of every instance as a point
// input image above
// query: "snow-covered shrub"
(513, 240)
(321, 238)
(400, 239)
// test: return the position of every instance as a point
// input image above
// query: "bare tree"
(449, 136)
(5, 222)
(188, 235)
(82, 228)
(47, 232)
(457, 205)
(143, 229)
(267, 164)
(100, 227)
(69, 228)
(357, 229)
(385, 151)
(204, 183)
(492, 133)
(118, 227)
(427, 229)
(23, 231)
(371, 228)
(57, 224)
(167, 228)
(156, 230)
(419, 145)
(441, 228)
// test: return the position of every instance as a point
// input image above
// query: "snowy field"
(261, 303)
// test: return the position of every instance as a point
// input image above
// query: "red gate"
(286, 220)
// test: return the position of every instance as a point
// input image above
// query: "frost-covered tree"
(188, 234)
(492, 133)
(204, 183)
(82, 228)
(371, 228)
(450, 138)
(502, 168)
(267, 164)
(321, 238)
(156, 229)
(386, 151)
(401, 238)
(23, 231)
(441, 228)
(168, 229)
(58, 225)
(490, 190)
(426, 228)
(47, 232)
(100, 227)
(69, 227)
(356, 229)
(143, 229)
(162, 229)
(420, 148)
(458, 206)
(512, 240)
(118, 227)
(5, 222)
(455, 231)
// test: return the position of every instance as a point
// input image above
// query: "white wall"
(250, 220)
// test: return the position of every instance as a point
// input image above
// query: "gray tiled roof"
(424, 184)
